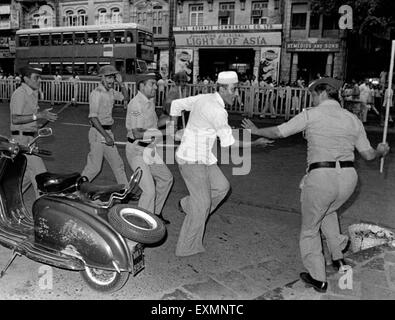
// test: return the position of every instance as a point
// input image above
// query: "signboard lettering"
(229, 27)
(307, 46)
(237, 39)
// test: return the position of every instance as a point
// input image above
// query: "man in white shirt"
(206, 184)
(364, 92)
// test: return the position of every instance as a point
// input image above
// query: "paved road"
(251, 241)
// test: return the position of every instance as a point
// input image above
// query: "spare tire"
(136, 224)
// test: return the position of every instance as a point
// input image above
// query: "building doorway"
(310, 64)
(213, 61)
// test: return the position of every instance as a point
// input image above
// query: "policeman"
(101, 138)
(332, 134)
(24, 116)
(142, 123)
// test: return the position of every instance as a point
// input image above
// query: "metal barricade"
(251, 101)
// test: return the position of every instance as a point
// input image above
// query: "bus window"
(141, 66)
(105, 37)
(44, 39)
(45, 66)
(130, 66)
(56, 39)
(141, 37)
(67, 68)
(79, 38)
(92, 37)
(24, 41)
(102, 64)
(129, 37)
(148, 40)
(119, 37)
(34, 40)
(119, 65)
(91, 68)
(79, 67)
(55, 67)
(67, 39)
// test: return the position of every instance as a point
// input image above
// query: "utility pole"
(172, 19)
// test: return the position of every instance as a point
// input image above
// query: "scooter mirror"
(45, 132)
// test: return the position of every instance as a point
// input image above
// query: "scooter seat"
(48, 182)
(95, 192)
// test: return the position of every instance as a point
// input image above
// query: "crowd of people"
(367, 96)
(329, 182)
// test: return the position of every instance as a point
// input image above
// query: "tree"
(374, 17)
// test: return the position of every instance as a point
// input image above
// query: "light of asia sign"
(235, 39)
(318, 46)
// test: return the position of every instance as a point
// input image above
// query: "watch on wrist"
(34, 117)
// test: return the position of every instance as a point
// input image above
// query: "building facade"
(9, 23)
(216, 35)
(313, 45)
(27, 14)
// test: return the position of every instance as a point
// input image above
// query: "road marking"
(122, 118)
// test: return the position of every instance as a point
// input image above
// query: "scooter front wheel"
(136, 223)
(104, 280)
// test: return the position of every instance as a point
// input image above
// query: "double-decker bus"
(84, 49)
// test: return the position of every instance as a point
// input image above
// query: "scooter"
(74, 224)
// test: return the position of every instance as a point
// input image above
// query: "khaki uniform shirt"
(332, 132)
(24, 101)
(101, 102)
(141, 114)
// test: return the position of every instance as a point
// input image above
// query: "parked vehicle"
(74, 224)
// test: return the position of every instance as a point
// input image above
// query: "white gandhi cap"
(227, 77)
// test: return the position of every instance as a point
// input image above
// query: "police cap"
(144, 77)
(108, 70)
(29, 69)
(334, 83)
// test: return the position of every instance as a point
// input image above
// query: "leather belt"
(23, 133)
(105, 127)
(140, 143)
(330, 164)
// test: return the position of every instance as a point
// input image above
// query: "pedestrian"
(269, 101)
(142, 123)
(364, 94)
(206, 184)
(388, 98)
(25, 115)
(176, 92)
(74, 79)
(332, 134)
(18, 80)
(101, 138)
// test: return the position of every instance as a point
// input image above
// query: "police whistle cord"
(68, 104)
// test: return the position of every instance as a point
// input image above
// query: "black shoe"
(338, 264)
(319, 286)
(179, 207)
(165, 221)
